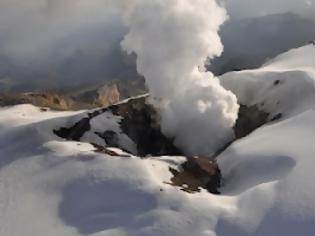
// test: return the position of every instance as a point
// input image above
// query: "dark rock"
(110, 137)
(76, 131)
(140, 122)
(277, 117)
(101, 149)
(249, 119)
(198, 173)
(277, 82)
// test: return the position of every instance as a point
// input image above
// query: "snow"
(277, 161)
(49, 186)
(284, 85)
(26, 114)
(270, 171)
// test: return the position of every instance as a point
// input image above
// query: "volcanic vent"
(134, 126)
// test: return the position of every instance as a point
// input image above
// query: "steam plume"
(173, 40)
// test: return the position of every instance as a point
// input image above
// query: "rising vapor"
(173, 39)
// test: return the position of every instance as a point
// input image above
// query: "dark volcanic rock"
(101, 149)
(198, 173)
(277, 117)
(110, 137)
(249, 119)
(75, 132)
(139, 121)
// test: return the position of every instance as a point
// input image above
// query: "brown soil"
(44, 100)
(197, 173)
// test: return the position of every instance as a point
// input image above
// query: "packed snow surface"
(49, 186)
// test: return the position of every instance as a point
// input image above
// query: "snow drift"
(285, 84)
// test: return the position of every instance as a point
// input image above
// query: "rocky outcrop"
(197, 173)
(50, 100)
(249, 119)
(139, 121)
(110, 93)
(102, 96)
(97, 96)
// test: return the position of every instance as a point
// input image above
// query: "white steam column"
(173, 39)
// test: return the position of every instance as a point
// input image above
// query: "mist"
(33, 28)
(78, 41)
(251, 42)
(53, 42)
(238, 9)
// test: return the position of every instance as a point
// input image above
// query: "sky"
(253, 8)
(33, 28)
(48, 35)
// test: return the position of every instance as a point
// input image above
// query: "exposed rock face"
(105, 95)
(75, 132)
(199, 172)
(249, 119)
(50, 100)
(139, 121)
(108, 95)
(102, 95)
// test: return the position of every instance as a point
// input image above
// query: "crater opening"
(139, 120)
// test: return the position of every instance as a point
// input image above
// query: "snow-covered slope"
(49, 186)
(285, 85)
(52, 187)
(271, 170)
(249, 42)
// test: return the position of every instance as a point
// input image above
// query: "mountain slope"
(250, 42)
(272, 168)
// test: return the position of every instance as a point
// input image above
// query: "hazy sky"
(32, 27)
(250, 8)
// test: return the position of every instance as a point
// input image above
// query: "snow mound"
(270, 172)
(283, 87)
